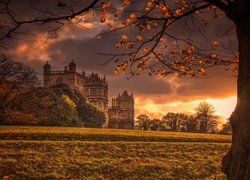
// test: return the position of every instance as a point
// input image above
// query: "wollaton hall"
(95, 88)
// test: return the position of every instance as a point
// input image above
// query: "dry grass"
(78, 153)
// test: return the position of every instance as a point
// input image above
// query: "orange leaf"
(103, 19)
(103, 12)
(127, 2)
(132, 16)
(128, 20)
(149, 4)
(113, 29)
(177, 11)
(148, 26)
(138, 38)
(124, 37)
(106, 5)
(146, 50)
(213, 56)
(116, 14)
(117, 45)
(124, 23)
(117, 69)
(215, 43)
(98, 37)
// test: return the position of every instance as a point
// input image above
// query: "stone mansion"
(95, 88)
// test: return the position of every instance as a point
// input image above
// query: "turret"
(46, 68)
(72, 67)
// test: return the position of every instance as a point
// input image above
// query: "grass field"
(80, 153)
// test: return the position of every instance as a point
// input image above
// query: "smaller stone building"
(121, 113)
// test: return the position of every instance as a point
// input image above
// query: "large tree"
(15, 78)
(173, 120)
(187, 51)
(208, 121)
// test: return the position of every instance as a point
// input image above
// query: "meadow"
(94, 154)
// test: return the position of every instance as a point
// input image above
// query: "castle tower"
(121, 113)
(46, 74)
(114, 115)
(97, 91)
(72, 66)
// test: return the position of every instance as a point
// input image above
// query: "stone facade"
(93, 87)
(121, 113)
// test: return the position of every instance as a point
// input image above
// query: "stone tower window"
(59, 80)
(93, 91)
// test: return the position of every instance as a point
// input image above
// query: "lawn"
(80, 153)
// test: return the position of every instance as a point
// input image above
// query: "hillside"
(55, 106)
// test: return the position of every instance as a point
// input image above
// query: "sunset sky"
(154, 96)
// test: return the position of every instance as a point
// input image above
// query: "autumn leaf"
(124, 37)
(124, 65)
(116, 14)
(147, 9)
(234, 59)
(140, 66)
(146, 50)
(177, 11)
(215, 43)
(117, 69)
(103, 12)
(201, 71)
(138, 38)
(132, 16)
(127, 2)
(98, 37)
(163, 9)
(148, 26)
(106, 5)
(128, 20)
(214, 56)
(130, 45)
(113, 29)
(117, 45)
(124, 24)
(103, 19)
(173, 52)
(149, 4)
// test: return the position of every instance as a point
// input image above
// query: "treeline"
(22, 102)
(204, 121)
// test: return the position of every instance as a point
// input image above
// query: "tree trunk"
(236, 164)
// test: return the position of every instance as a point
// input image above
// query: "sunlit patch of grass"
(92, 134)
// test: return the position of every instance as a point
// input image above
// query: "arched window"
(59, 80)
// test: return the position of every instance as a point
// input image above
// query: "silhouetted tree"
(173, 121)
(226, 128)
(206, 118)
(190, 123)
(155, 124)
(15, 78)
(142, 122)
